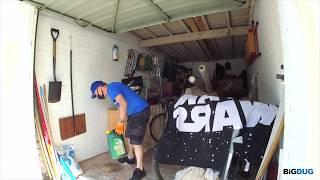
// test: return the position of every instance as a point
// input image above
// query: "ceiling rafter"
(155, 36)
(201, 27)
(176, 51)
(201, 59)
(164, 27)
(205, 22)
(251, 8)
(228, 20)
(213, 41)
(215, 33)
(184, 25)
(194, 28)
(164, 51)
(232, 47)
(159, 10)
(200, 45)
(189, 50)
(137, 35)
(116, 6)
(172, 51)
(157, 48)
(151, 32)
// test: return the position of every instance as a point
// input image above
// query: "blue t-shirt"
(135, 103)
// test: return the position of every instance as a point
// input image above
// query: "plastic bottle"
(116, 145)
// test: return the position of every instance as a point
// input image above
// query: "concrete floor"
(102, 167)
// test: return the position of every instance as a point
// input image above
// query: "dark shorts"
(136, 126)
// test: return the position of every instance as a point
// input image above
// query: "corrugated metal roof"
(134, 14)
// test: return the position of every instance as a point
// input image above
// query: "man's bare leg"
(138, 150)
(130, 149)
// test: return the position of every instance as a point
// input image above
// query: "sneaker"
(138, 174)
(127, 160)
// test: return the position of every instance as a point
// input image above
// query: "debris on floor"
(102, 167)
(191, 173)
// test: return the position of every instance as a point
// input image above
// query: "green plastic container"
(116, 145)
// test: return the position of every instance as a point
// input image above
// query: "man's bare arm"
(122, 108)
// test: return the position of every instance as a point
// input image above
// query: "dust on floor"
(102, 167)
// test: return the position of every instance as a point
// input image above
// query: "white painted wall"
(289, 33)
(268, 64)
(91, 61)
(18, 154)
(237, 66)
(300, 27)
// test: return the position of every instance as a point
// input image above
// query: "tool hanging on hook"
(71, 85)
(54, 86)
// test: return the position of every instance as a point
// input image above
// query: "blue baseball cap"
(94, 87)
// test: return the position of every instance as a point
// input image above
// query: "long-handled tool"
(54, 86)
(73, 118)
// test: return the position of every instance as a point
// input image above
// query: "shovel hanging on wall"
(54, 86)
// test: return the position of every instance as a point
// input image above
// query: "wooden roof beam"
(228, 20)
(203, 26)
(184, 26)
(213, 41)
(188, 50)
(137, 35)
(151, 32)
(194, 28)
(251, 7)
(164, 51)
(193, 36)
(164, 27)
(168, 46)
(203, 44)
(176, 51)
(158, 49)
(205, 59)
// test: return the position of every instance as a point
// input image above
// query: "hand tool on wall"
(54, 86)
(75, 124)
(71, 85)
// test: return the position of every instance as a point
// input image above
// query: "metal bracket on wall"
(280, 76)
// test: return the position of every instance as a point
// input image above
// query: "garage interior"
(237, 42)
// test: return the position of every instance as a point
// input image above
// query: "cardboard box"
(113, 118)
